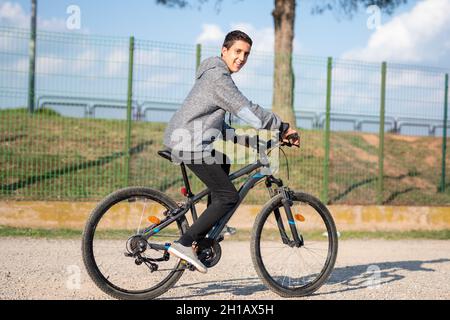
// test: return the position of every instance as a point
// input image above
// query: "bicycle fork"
(287, 204)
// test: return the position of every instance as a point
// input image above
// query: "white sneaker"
(187, 254)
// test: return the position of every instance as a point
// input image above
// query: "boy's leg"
(224, 197)
(226, 168)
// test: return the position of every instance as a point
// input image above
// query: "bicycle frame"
(214, 233)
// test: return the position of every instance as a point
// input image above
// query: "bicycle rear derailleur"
(137, 245)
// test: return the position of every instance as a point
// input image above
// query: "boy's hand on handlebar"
(291, 138)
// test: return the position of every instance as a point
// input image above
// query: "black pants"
(224, 197)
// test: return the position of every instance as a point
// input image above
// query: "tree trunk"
(283, 84)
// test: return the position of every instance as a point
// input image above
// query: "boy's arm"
(229, 134)
(232, 100)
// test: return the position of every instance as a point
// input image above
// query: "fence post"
(444, 135)
(380, 186)
(198, 56)
(129, 112)
(326, 166)
(32, 56)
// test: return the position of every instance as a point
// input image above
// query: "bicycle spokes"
(124, 257)
(291, 265)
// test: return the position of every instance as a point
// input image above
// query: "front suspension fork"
(287, 204)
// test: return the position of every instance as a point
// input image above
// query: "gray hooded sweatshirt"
(201, 118)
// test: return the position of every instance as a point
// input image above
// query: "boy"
(200, 121)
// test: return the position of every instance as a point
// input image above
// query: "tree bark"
(283, 84)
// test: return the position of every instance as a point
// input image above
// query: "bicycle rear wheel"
(110, 234)
(287, 270)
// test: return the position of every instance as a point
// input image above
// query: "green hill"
(49, 157)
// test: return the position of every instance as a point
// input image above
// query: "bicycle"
(293, 223)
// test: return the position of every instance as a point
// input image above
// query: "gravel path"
(370, 269)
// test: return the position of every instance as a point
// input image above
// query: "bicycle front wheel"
(114, 229)
(288, 270)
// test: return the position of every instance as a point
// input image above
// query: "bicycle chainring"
(209, 252)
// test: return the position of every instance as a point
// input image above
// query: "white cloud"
(52, 24)
(22, 65)
(117, 62)
(13, 14)
(51, 64)
(159, 81)
(85, 62)
(417, 36)
(410, 92)
(211, 35)
(263, 39)
(10, 42)
(157, 56)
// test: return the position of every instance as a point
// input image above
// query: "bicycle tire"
(332, 237)
(88, 236)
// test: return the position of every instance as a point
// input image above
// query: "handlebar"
(267, 145)
(271, 143)
(291, 137)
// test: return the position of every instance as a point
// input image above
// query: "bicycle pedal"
(191, 267)
(228, 231)
(187, 265)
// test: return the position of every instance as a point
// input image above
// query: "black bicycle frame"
(192, 199)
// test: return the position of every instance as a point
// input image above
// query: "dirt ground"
(371, 269)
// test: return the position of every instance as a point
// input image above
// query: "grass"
(39, 233)
(241, 235)
(392, 235)
(244, 235)
(47, 156)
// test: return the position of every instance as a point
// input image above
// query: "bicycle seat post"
(186, 180)
(189, 193)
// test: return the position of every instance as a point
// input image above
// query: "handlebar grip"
(293, 136)
(288, 140)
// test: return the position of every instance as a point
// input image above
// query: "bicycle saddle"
(166, 154)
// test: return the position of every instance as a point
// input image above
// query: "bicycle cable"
(287, 162)
(285, 157)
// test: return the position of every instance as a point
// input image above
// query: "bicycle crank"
(209, 252)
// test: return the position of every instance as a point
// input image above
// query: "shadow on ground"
(351, 278)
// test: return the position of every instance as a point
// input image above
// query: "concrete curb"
(72, 215)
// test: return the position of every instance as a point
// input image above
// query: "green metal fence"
(372, 133)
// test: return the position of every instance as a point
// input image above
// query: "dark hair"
(234, 36)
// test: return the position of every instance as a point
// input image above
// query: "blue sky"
(318, 35)
(416, 34)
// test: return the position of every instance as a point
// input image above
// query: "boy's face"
(237, 55)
